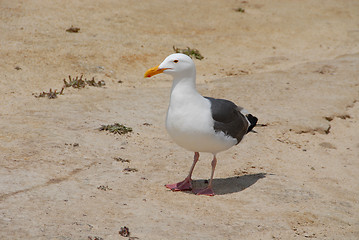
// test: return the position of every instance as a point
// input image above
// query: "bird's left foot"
(208, 191)
(185, 185)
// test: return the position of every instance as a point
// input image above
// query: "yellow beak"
(153, 71)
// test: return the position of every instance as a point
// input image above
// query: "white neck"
(184, 92)
(184, 84)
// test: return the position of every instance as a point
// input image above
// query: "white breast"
(190, 124)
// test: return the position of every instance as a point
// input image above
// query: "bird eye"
(175, 61)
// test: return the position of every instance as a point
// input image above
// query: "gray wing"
(228, 118)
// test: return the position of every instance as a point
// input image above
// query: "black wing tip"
(253, 122)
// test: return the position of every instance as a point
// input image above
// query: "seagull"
(197, 123)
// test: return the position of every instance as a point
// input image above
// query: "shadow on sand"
(222, 186)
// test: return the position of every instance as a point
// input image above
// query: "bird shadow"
(222, 186)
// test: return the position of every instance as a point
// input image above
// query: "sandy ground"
(293, 64)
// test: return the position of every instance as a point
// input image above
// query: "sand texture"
(293, 64)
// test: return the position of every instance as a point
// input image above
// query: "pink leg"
(186, 184)
(208, 190)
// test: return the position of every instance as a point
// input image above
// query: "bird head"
(177, 64)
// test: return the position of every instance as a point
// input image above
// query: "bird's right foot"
(208, 191)
(185, 185)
